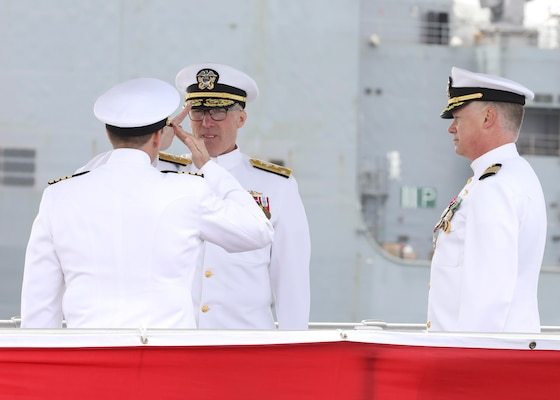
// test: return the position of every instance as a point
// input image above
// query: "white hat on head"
(208, 85)
(466, 86)
(137, 107)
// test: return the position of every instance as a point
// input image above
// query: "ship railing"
(368, 324)
(432, 29)
(539, 144)
(10, 323)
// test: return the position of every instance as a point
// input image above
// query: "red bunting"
(334, 370)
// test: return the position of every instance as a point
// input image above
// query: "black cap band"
(487, 95)
(219, 96)
(459, 97)
(137, 131)
(216, 88)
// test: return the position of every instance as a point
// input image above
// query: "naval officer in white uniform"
(489, 242)
(116, 247)
(253, 289)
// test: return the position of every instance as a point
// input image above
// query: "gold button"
(465, 192)
(469, 180)
(208, 273)
(429, 286)
(205, 308)
(428, 324)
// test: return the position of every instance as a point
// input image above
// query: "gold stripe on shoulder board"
(491, 170)
(183, 173)
(172, 158)
(270, 167)
(66, 177)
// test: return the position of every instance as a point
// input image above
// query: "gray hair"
(510, 115)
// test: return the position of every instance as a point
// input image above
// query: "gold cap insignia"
(206, 79)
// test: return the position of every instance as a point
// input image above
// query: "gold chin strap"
(464, 98)
(455, 102)
(216, 95)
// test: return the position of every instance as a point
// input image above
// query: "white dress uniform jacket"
(247, 290)
(485, 270)
(117, 247)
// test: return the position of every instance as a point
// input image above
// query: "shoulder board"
(172, 158)
(66, 177)
(183, 173)
(270, 167)
(491, 170)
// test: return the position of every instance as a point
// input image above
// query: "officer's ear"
(490, 115)
(242, 118)
(157, 138)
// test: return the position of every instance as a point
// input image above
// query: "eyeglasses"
(217, 114)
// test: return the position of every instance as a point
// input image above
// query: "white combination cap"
(137, 107)
(210, 85)
(466, 86)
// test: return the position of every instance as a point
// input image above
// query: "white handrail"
(15, 322)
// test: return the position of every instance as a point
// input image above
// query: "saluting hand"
(197, 147)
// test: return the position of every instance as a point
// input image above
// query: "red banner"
(334, 370)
